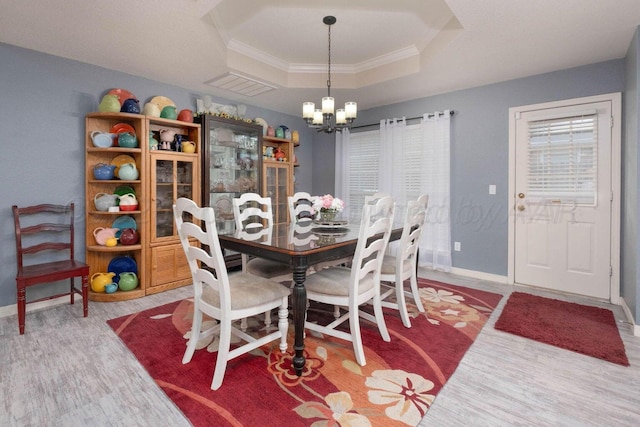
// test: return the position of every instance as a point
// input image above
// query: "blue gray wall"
(43, 103)
(44, 100)
(480, 148)
(630, 161)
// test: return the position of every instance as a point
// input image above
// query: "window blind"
(363, 166)
(562, 160)
(414, 163)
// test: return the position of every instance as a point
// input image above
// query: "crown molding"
(279, 64)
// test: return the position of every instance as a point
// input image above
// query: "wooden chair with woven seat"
(358, 285)
(45, 254)
(223, 297)
(403, 266)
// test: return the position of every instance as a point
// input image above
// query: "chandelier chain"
(329, 68)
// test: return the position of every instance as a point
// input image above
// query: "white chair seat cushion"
(388, 265)
(247, 290)
(267, 268)
(334, 281)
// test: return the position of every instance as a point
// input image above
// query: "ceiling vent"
(240, 84)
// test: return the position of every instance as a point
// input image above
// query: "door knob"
(520, 207)
(521, 195)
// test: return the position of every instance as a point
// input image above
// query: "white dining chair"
(301, 211)
(300, 207)
(253, 212)
(375, 197)
(223, 297)
(359, 284)
(396, 269)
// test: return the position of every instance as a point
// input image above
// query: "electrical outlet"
(456, 246)
(492, 189)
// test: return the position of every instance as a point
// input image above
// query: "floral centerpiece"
(328, 206)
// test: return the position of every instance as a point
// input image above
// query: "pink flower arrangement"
(327, 202)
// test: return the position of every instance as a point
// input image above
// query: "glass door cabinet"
(172, 176)
(277, 186)
(231, 166)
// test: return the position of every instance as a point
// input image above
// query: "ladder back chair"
(403, 266)
(45, 254)
(300, 207)
(253, 212)
(358, 285)
(226, 298)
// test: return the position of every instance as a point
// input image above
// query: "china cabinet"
(231, 165)
(160, 177)
(277, 174)
(171, 175)
(237, 158)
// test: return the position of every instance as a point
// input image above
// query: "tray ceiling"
(382, 52)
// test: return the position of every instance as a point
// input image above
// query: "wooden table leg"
(299, 302)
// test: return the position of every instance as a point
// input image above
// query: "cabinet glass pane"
(232, 166)
(282, 195)
(164, 198)
(184, 180)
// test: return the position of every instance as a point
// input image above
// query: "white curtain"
(391, 178)
(414, 161)
(342, 165)
(410, 160)
(435, 249)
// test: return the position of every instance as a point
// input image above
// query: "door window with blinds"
(563, 161)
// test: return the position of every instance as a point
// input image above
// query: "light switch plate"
(492, 189)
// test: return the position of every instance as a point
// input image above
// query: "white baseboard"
(10, 310)
(480, 275)
(627, 312)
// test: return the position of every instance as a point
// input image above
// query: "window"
(405, 161)
(562, 160)
(362, 164)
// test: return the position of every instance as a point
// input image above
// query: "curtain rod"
(451, 112)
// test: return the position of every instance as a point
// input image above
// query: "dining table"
(300, 245)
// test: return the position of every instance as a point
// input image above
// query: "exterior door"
(562, 210)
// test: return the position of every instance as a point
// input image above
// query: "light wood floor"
(71, 371)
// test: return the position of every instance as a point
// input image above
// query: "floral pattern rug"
(395, 388)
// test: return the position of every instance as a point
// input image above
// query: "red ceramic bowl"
(128, 207)
(185, 116)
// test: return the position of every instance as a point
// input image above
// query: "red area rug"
(587, 330)
(396, 387)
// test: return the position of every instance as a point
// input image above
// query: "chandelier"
(322, 119)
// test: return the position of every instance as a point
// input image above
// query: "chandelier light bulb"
(307, 110)
(327, 105)
(317, 117)
(351, 110)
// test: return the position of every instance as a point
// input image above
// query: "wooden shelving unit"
(153, 222)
